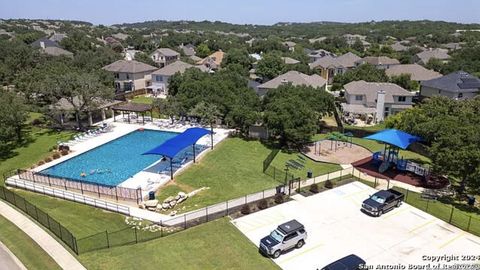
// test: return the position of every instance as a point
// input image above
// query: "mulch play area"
(337, 152)
(368, 166)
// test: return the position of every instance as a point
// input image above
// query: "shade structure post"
(171, 169)
(193, 146)
(211, 136)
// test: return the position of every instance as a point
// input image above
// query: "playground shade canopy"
(176, 144)
(394, 137)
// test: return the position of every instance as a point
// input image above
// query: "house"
(380, 62)
(188, 50)
(213, 61)
(57, 51)
(453, 46)
(50, 47)
(130, 54)
(164, 56)
(292, 77)
(456, 85)
(417, 73)
(161, 77)
(422, 58)
(351, 39)
(399, 47)
(44, 43)
(290, 45)
(111, 41)
(330, 66)
(130, 75)
(319, 39)
(315, 55)
(120, 36)
(290, 61)
(376, 99)
(195, 58)
(58, 37)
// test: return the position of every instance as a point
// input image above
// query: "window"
(116, 75)
(402, 99)
(290, 236)
(359, 97)
(159, 78)
(460, 95)
(128, 76)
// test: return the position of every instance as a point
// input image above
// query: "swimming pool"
(114, 162)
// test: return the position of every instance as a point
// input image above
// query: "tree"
(451, 129)
(203, 50)
(366, 72)
(83, 91)
(144, 58)
(169, 106)
(13, 114)
(293, 112)
(404, 81)
(358, 45)
(77, 41)
(270, 66)
(435, 64)
(208, 114)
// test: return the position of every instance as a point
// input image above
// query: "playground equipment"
(394, 140)
(337, 141)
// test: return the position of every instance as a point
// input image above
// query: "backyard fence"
(102, 191)
(43, 218)
(269, 159)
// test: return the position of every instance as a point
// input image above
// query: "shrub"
(64, 147)
(246, 209)
(328, 184)
(64, 152)
(278, 198)
(38, 121)
(262, 204)
(56, 155)
(41, 162)
(314, 188)
(47, 159)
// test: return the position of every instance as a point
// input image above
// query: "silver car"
(288, 235)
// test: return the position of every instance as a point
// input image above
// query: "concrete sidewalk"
(9, 260)
(61, 256)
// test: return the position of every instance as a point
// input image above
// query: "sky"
(265, 12)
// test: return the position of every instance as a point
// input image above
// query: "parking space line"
(451, 240)
(356, 193)
(388, 215)
(264, 224)
(300, 253)
(422, 225)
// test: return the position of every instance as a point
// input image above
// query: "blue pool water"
(114, 162)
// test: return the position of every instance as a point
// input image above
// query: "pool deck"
(147, 181)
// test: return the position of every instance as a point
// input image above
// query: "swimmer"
(83, 174)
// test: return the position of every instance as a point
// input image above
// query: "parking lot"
(336, 227)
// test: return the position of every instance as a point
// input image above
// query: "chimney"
(42, 44)
(380, 106)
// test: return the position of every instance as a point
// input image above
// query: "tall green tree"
(169, 106)
(208, 115)
(366, 72)
(270, 66)
(13, 114)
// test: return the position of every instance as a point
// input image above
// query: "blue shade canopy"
(176, 144)
(394, 137)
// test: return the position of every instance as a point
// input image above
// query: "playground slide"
(384, 166)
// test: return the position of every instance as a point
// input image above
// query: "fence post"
(451, 215)
(263, 194)
(227, 207)
(206, 213)
(36, 211)
(136, 236)
(406, 196)
(274, 169)
(375, 182)
(328, 176)
(161, 228)
(341, 174)
(81, 187)
(75, 245)
(184, 221)
(49, 183)
(108, 241)
(426, 210)
(65, 183)
(469, 221)
(116, 195)
(98, 191)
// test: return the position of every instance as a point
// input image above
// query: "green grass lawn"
(460, 217)
(214, 245)
(26, 250)
(374, 146)
(318, 168)
(143, 100)
(373, 128)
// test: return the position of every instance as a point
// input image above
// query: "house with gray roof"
(290, 45)
(399, 47)
(457, 85)
(188, 50)
(422, 58)
(380, 62)
(417, 73)
(376, 99)
(56, 51)
(44, 43)
(164, 56)
(330, 66)
(318, 54)
(130, 75)
(58, 37)
(161, 77)
(292, 77)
